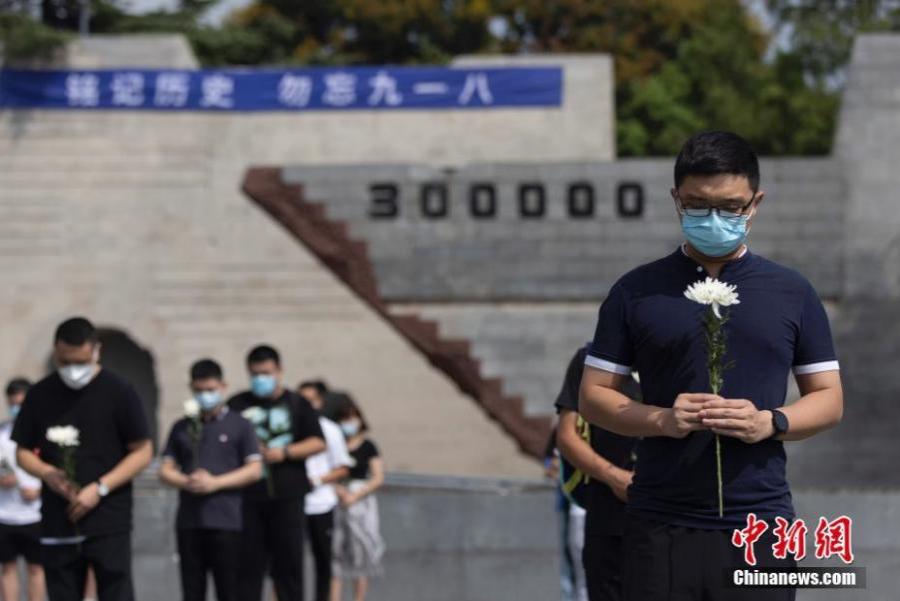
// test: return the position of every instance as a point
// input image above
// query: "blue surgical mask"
(350, 428)
(14, 411)
(208, 399)
(263, 385)
(714, 235)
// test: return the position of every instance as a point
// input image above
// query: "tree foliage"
(820, 32)
(22, 38)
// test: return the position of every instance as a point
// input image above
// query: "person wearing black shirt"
(607, 460)
(85, 521)
(210, 455)
(288, 431)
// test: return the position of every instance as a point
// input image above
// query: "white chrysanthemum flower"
(254, 415)
(191, 408)
(713, 292)
(64, 436)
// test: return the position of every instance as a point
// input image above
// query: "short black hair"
(319, 385)
(715, 153)
(261, 353)
(205, 369)
(75, 331)
(333, 403)
(17, 385)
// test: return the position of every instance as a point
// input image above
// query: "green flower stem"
(715, 345)
(196, 432)
(719, 473)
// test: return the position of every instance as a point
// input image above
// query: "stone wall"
(496, 540)
(438, 249)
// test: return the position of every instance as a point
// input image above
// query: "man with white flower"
(99, 435)
(676, 542)
(211, 454)
(288, 431)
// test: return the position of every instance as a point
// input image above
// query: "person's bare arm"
(580, 454)
(30, 495)
(50, 475)
(170, 474)
(376, 479)
(601, 403)
(140, 454)
(820, 407)
(201, 482)
(335, 475)
(243, 476)
(295, 451)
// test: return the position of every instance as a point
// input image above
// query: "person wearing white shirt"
(323, 469)
(20, 509)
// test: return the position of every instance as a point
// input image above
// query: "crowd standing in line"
(258, 475)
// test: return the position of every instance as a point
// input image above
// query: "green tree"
(683, 66)
(374, 31)
(820, 32)
(22, 38)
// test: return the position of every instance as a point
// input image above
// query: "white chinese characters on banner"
(430, 87)
(295, 90)
(217, 92)
(172, 89)
(384, 90)
(340, 89)
(82, 90)
(127, 89)
(476, 84)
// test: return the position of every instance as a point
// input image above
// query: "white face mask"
(78, 375)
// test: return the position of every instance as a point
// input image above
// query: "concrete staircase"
(348, 259)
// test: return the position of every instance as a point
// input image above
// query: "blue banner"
(314, 89)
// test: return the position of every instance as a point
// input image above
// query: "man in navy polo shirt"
(210, 457)
(676, 544)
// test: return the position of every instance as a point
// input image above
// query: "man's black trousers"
(65, 568)
(675, 563)
(272, 542)
(320, 528)
(204, 551)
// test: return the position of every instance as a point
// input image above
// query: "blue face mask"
(208, 399)
(263, 385)
(14, 411)
(714, 235)
(350, 428)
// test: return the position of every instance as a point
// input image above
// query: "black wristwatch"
(779, 423)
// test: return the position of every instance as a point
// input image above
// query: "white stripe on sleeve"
(814, 368)
(598, 363)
